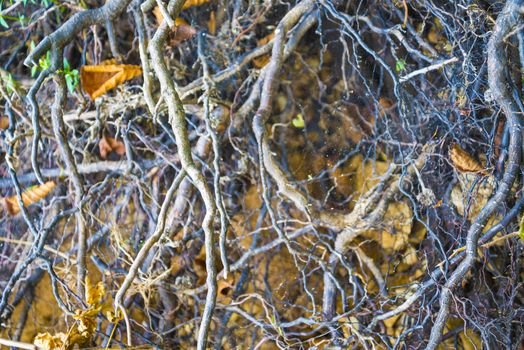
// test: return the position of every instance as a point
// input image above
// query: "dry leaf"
(212, 23)
(191, 3)
(85, 327)
(225, 289)
(399, 217)
(51, 342)
(467, 202)
(4, 123)
(114, 317)
(108, 144)
(97, 80)
(463, 161)
(94, 293)
(29, 196)
(183, 31)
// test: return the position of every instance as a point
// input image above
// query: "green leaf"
(10, 83)
(70, 84)
(400, 65)
(34, 69)
(298, 121)
(3, 22)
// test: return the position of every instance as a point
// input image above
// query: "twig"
(427, 69)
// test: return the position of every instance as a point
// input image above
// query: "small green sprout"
(400, 65)
(43, 63)
(71, 77)
(10, 83)
(298, 121)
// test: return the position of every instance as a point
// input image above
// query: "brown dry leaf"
(4, 123)
(183, 31)
(29, 196)
(51, 342)
(97, 80)
(94, 292)
(108, 144)
(463, 161)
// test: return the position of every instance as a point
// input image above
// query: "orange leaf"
(108, 145)
(463, 161)
(4, 123)
(29, 196)
(212, 23)
(191, 3)
(97, 80)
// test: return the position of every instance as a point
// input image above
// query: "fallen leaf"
(4, 123)
(468, 200)
(463, 161)
(48, 341)
(114, 317)
(212, 23)
(108, 144)
(29, 196)
(225, 289)
(191, 3)
(97, 80)
(94, 292)
(183, 31)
